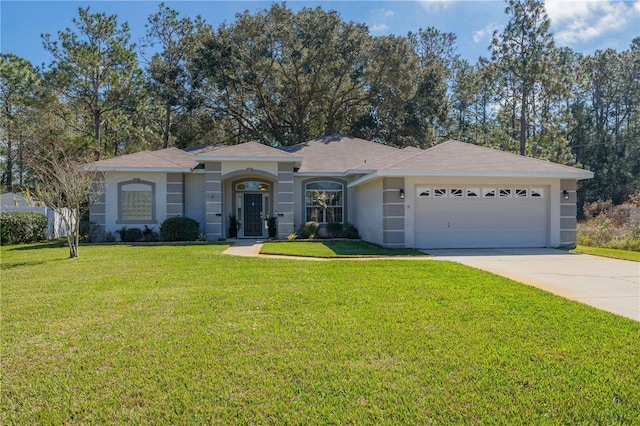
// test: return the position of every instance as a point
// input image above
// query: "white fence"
(56, 228)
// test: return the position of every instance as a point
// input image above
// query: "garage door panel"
(444, 222)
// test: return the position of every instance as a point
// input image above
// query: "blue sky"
(585, 26)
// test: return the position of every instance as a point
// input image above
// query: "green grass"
(185, 335)
(606, 252)
(331, 249)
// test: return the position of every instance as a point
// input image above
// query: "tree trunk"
(96, 133)
(523, 123)
(9, 175)
(167, 123)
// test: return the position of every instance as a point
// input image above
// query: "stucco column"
(175, 194)
(393, 226)
(284, 205)
(213, 200)
(568, 211)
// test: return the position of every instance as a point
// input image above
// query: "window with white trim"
(439, 192)
(324, 202)
(136, 201)
(520, 193)
(473, 192)
(456, 192)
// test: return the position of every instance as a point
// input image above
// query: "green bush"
(131, 234)
(350, 231)
(22, 227)
(308, 230)
(148, 234)
(338, 230)
(179, 228)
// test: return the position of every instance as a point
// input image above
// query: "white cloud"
(378, 28)
(485, 33)
(583, 20)
(435, 4)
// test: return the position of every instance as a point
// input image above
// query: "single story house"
(453, 195)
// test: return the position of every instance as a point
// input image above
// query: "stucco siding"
(369, 206)
(194, 196)
(111, 203)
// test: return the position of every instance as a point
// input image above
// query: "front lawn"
(330, 249)
(184, 335)
(606, 252)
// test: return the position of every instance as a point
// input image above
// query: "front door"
(253, 215)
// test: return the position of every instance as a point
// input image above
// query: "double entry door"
(253, 220)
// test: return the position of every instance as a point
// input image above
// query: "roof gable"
(337, 153)
(245, 151)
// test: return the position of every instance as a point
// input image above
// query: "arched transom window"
(253, 185)
(324, 202)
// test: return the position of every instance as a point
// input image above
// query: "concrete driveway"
(608, 284)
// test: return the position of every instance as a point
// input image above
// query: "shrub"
(132, 234)
(22, 227)
(350, 231)
(334, 230)
(308, 230)
(179, 228)
(615, 227)
(109, 237)
(148, 234)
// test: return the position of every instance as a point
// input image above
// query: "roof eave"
(393, 173)
(139, 169)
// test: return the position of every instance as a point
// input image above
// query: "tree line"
(281, 77)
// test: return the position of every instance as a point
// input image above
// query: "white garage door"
(481, 216)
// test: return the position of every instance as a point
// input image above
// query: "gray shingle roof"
(169, 158)
(337, 153)
(245, 150)
(345, 154)
(464, 158)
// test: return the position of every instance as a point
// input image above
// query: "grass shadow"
(363, 248)
(37, 246)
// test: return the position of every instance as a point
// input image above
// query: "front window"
(136, 201)
(324, 202)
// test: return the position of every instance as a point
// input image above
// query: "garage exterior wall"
(568, 211)
(393, 223)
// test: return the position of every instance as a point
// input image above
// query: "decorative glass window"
(521, 193)
(253, 186)
(456, 192)
(136, 201)
(504, 192)
(424, 192)
(324, 202)
(440, 192)
(537, 193)
(488, 192)
(473, 192)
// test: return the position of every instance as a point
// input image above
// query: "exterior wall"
(284, 202)
(175, 194)
(194, 198)
(369, 211)
(97, 213)
(393, 212)
(111, 223)
(299, 207)
(568, 212)
(213, 200)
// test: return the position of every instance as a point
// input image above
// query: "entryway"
(253, 215)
